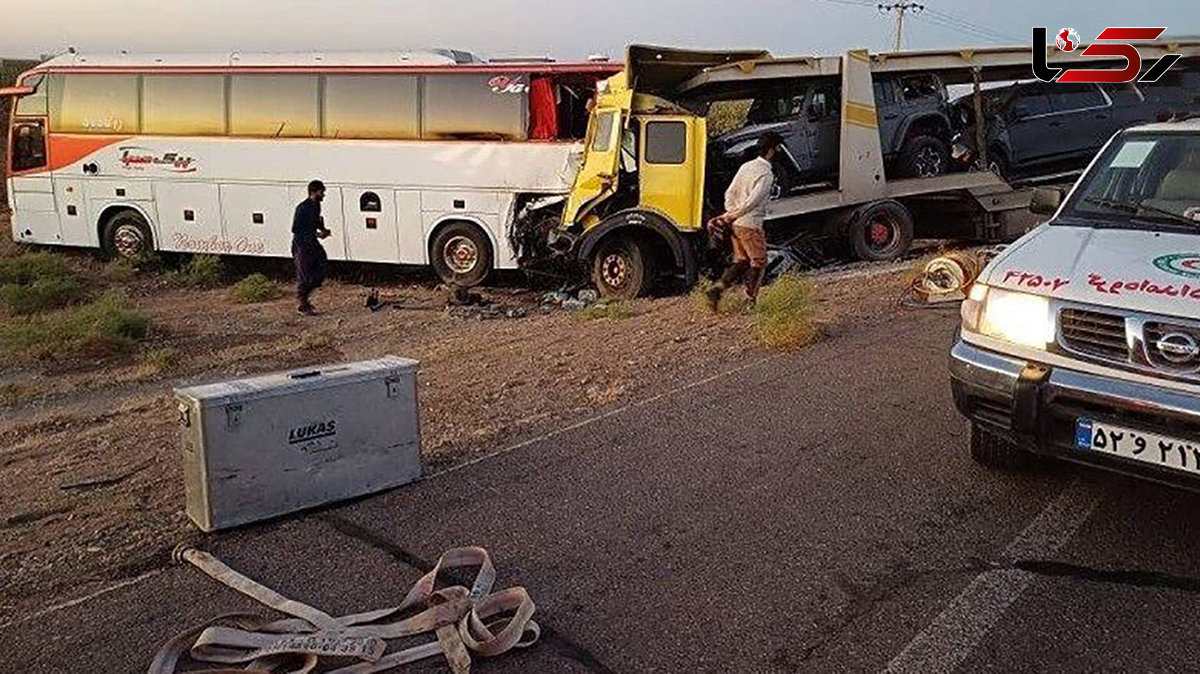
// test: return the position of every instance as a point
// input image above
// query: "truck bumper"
(1038, 407)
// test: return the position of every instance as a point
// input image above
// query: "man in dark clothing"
(308, 227)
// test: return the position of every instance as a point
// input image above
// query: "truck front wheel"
(622, 267)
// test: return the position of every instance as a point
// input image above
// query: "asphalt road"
(811, 512)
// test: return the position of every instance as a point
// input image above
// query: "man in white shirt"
(745, 208)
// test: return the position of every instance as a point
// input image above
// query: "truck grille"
(1094, 333)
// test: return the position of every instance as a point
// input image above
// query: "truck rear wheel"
(622, 267)
(881, 231)
(993, 451)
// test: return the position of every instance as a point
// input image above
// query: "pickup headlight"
(1020, 318)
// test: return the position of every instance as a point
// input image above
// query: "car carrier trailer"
(636, 212)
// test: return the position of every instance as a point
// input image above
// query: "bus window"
(35, 104)
(28, 146)
(183, 105)
(372, 106)
(283, 106)
(94, 103)
(468, 105)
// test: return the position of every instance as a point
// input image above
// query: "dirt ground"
(89, 460)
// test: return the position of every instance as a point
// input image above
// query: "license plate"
(1159, 450)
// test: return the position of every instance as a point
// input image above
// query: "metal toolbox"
(261, 447)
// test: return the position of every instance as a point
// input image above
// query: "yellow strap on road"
(463, 620)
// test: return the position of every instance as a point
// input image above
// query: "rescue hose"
(465, 621)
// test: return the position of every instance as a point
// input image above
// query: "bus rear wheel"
(127, 235)
(622, 267)
(461, 254)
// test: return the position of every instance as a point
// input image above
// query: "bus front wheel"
(461, 254)
(127, 235)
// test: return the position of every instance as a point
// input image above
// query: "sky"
(564, 29)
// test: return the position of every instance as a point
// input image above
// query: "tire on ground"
(623, 267)
(991, 450)
(924, 157)
(882, 230)
(126, 234)
(461, 254)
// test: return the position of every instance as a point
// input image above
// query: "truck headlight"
(1020, 318)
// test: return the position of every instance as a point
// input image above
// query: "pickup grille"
(1153, 331)
(1094, 333)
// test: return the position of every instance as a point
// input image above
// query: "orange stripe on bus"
(66, 149)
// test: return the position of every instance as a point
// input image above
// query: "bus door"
(32, 189)
(598, 175)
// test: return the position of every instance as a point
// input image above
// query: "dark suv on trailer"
(914, 128)
(1039, 129)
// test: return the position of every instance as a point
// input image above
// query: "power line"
(968, 25)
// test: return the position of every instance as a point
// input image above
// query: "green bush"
(256, 288)
(784, 314)
(161, 360)
(29, 267)
(104, 327)
(202, 271)
(36, 282)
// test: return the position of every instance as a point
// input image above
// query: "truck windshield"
(1142, 180)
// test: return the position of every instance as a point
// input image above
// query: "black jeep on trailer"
(914, 127)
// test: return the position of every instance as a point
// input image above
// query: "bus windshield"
(1142, 180)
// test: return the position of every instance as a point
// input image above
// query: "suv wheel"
(924, 157)
(993, 451)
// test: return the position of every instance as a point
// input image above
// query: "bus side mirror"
(1045, 201)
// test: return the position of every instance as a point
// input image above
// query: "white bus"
(427, 159)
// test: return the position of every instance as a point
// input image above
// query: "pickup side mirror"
(1045, 201)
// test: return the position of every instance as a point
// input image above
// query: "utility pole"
(900, 8)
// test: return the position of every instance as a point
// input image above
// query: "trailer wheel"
(126, 234)
(461, 254)
(993, 451)
(622, 267)
(881, 231)
(924, 157)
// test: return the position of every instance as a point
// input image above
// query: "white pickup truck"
(1082, 339)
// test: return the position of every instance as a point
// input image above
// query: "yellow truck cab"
(635, 213)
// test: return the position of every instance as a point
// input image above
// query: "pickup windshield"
(1142, 180)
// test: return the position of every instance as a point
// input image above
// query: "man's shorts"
(750, 244)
